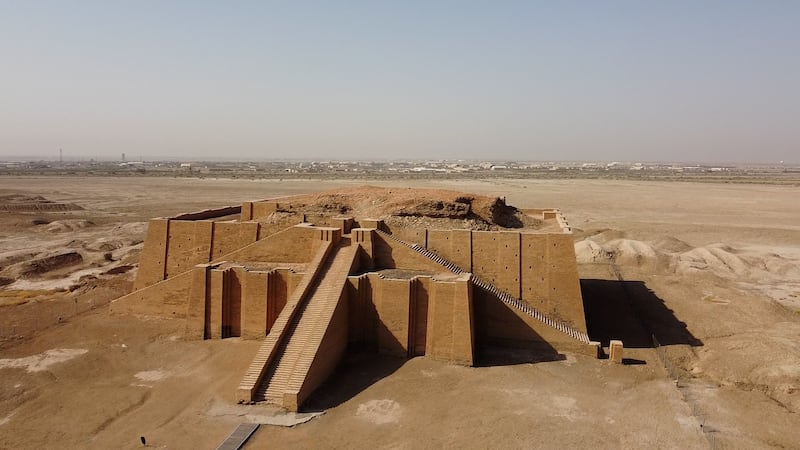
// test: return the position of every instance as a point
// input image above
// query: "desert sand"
(712, 268)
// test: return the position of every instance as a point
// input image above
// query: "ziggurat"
(313, 278)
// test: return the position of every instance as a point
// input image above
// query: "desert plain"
(712, 269)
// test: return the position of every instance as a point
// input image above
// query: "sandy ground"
(712, 269)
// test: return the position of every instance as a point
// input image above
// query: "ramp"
(239, 437)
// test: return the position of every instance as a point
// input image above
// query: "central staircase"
(295, 362)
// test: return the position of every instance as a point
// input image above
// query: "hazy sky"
(549, 80)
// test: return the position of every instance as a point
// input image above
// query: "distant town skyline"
(66, 159)
(708, 81)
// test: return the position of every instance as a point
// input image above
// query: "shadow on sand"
(502, 338)
(496, 355)
(625, 310)
(356, 372)
(631, 312)
(362, 366)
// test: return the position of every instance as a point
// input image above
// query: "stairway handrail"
(504, 296)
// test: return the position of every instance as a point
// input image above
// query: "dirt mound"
(75, 248)
(30, 203)
(392, 203)
(118, 269)
(105, 245)
(635, 254)
(14, 257)
(436, 209)
(506, 216)
(131, 229)
(587, 252)
(605, 245)
(780, 266)
(61, 226)
(669, 255)
(605, 235)
(665, 255)
(50, 263)
(671, 244)
(714, 259)
(631, 250)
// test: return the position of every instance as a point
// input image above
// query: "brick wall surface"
(188, 244)
(293, 245)
(420, 300)
(216, 292)
(196, 310)
(255, 286)
(390, 254)
(168, 298)
(231, 236)
(263, 209)
(154, 254)
(390, 298)
(496, 258)
(456, 244)
(412, 235)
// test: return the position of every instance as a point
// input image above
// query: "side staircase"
(504, 296)
(282, 378)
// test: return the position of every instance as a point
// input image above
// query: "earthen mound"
(105, 245)
(600, 247)
(436, 209)
(671, 244)
(714, 259)
(392, 204)
(118, 269)
(18, 203)
(587, 252)
(781, 266)
(14, 257)
(667, 254)
(61, 226)
(631, 250)
(605, 235)
(628, 252)
(130, 229)
(50, 263)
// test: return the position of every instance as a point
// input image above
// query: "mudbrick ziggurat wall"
(311, 291)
